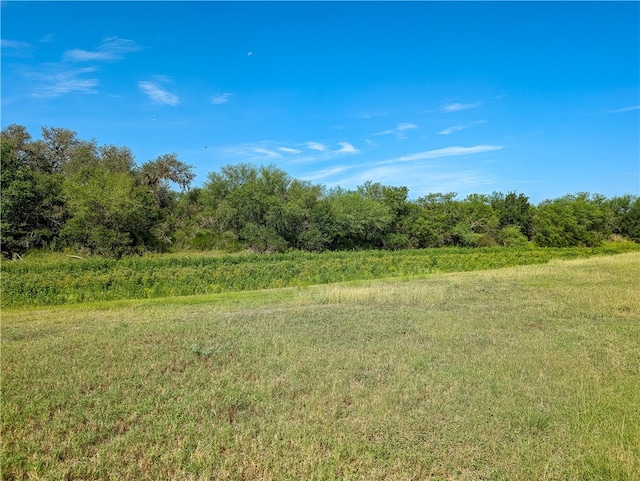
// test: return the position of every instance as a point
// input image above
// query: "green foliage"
(512, 236)
(267, 210)
(32, 209)
(572, 220)
(355, 220)
(60, 191)
(165, 168)
(513, 210)
(109, 213)
(68, 281)
(630, 221)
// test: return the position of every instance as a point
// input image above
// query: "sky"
(539, 98)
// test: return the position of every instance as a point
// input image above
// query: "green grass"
(523, 373)
(42, 280)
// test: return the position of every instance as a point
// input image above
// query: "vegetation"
(46, 279)
(512, 374)
(526, 372)
(60, 192)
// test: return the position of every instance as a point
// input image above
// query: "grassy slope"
(516, 374)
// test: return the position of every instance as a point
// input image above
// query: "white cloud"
(450, 151)
(385, 132)
(267, 152)
(221, 98)
(625, 109)
(399, 131)
(57, 80)
(412, 172)
(450, 130)
(289, 150)
(316, 146)
(14, 48)
(78, 55)
(456, 128)
(159, 95)
(62, 78)
(324, 173)
(418, 177)
(258, 151)
(112, 48)
(347, 148)
(455, 107)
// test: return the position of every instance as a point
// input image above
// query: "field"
(519, 373)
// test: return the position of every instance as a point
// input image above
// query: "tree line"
(62, 192)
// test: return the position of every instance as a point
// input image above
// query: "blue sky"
(540, 98)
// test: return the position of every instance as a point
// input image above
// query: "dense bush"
(37, 282)
(61, 192)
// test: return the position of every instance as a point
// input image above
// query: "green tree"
(355, 221)
(260, 207)
(439, 215)
(32, 208)
(572, 220)
(394, 198)
(630, 220)
(110, 213)
(513, 210)
(479, 223)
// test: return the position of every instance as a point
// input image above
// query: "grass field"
(520, 373)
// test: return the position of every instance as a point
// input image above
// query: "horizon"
(539, 98)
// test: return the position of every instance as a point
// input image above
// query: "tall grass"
(68, 281)
(525, 373)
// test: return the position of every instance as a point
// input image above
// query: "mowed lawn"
(525, 373)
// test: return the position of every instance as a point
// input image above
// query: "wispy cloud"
(399, 131)
(289, 150)
(313, 152)
(55, 80)
(267, 152)
(385, 132)
(406, 126)
(410, 171)
(625, 109)
(452, 129)
(158, 94)
(259, 151)
(65, 77)
(221, 98)
(450, 151)
(457, 128)
(456, 107)
(112, 48)
(347, 148)
(316, 146)
(418, 177)
(328, 172)
(14, 48)
(436, 178)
